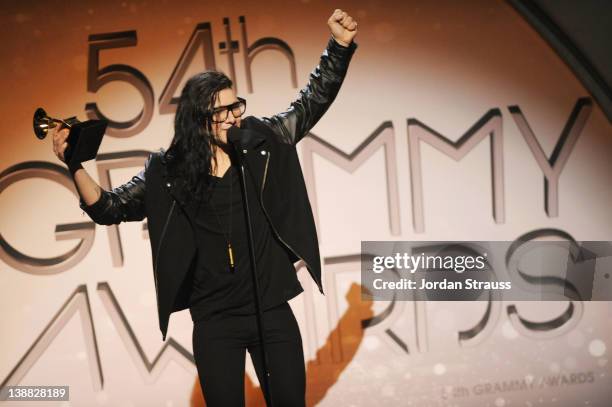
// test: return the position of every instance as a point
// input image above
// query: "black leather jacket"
(274, 165)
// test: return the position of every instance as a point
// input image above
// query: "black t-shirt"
(216, 289)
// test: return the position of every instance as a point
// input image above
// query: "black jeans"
(219, 348)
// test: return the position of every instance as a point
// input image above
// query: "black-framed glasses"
(219, 114)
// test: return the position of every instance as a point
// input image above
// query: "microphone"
(234, 136)
(236, 140)
(243, 140)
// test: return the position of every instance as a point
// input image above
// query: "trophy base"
(84, 141)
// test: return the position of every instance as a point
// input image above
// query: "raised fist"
(342, 26)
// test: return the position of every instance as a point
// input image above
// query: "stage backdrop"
(78, 299)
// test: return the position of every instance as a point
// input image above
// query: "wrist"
(74, 168)
(340, 42)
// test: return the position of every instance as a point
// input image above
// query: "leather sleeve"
(315, 98)
(124, 203)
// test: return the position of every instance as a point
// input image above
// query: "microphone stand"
(241, 151)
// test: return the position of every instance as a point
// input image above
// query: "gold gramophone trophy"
(83, 140)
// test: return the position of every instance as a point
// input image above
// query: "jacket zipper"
(161, 239)
(263, 182)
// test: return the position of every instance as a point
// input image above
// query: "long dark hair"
(191, 146)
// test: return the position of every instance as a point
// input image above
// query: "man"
(190, 195)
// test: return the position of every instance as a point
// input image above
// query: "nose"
(230, 118)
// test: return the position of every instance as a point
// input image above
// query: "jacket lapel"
(174, 185)
(256, 155)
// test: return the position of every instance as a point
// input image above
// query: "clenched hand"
(59, 134)
(343, 27)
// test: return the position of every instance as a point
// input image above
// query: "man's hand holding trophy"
(74, 142)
